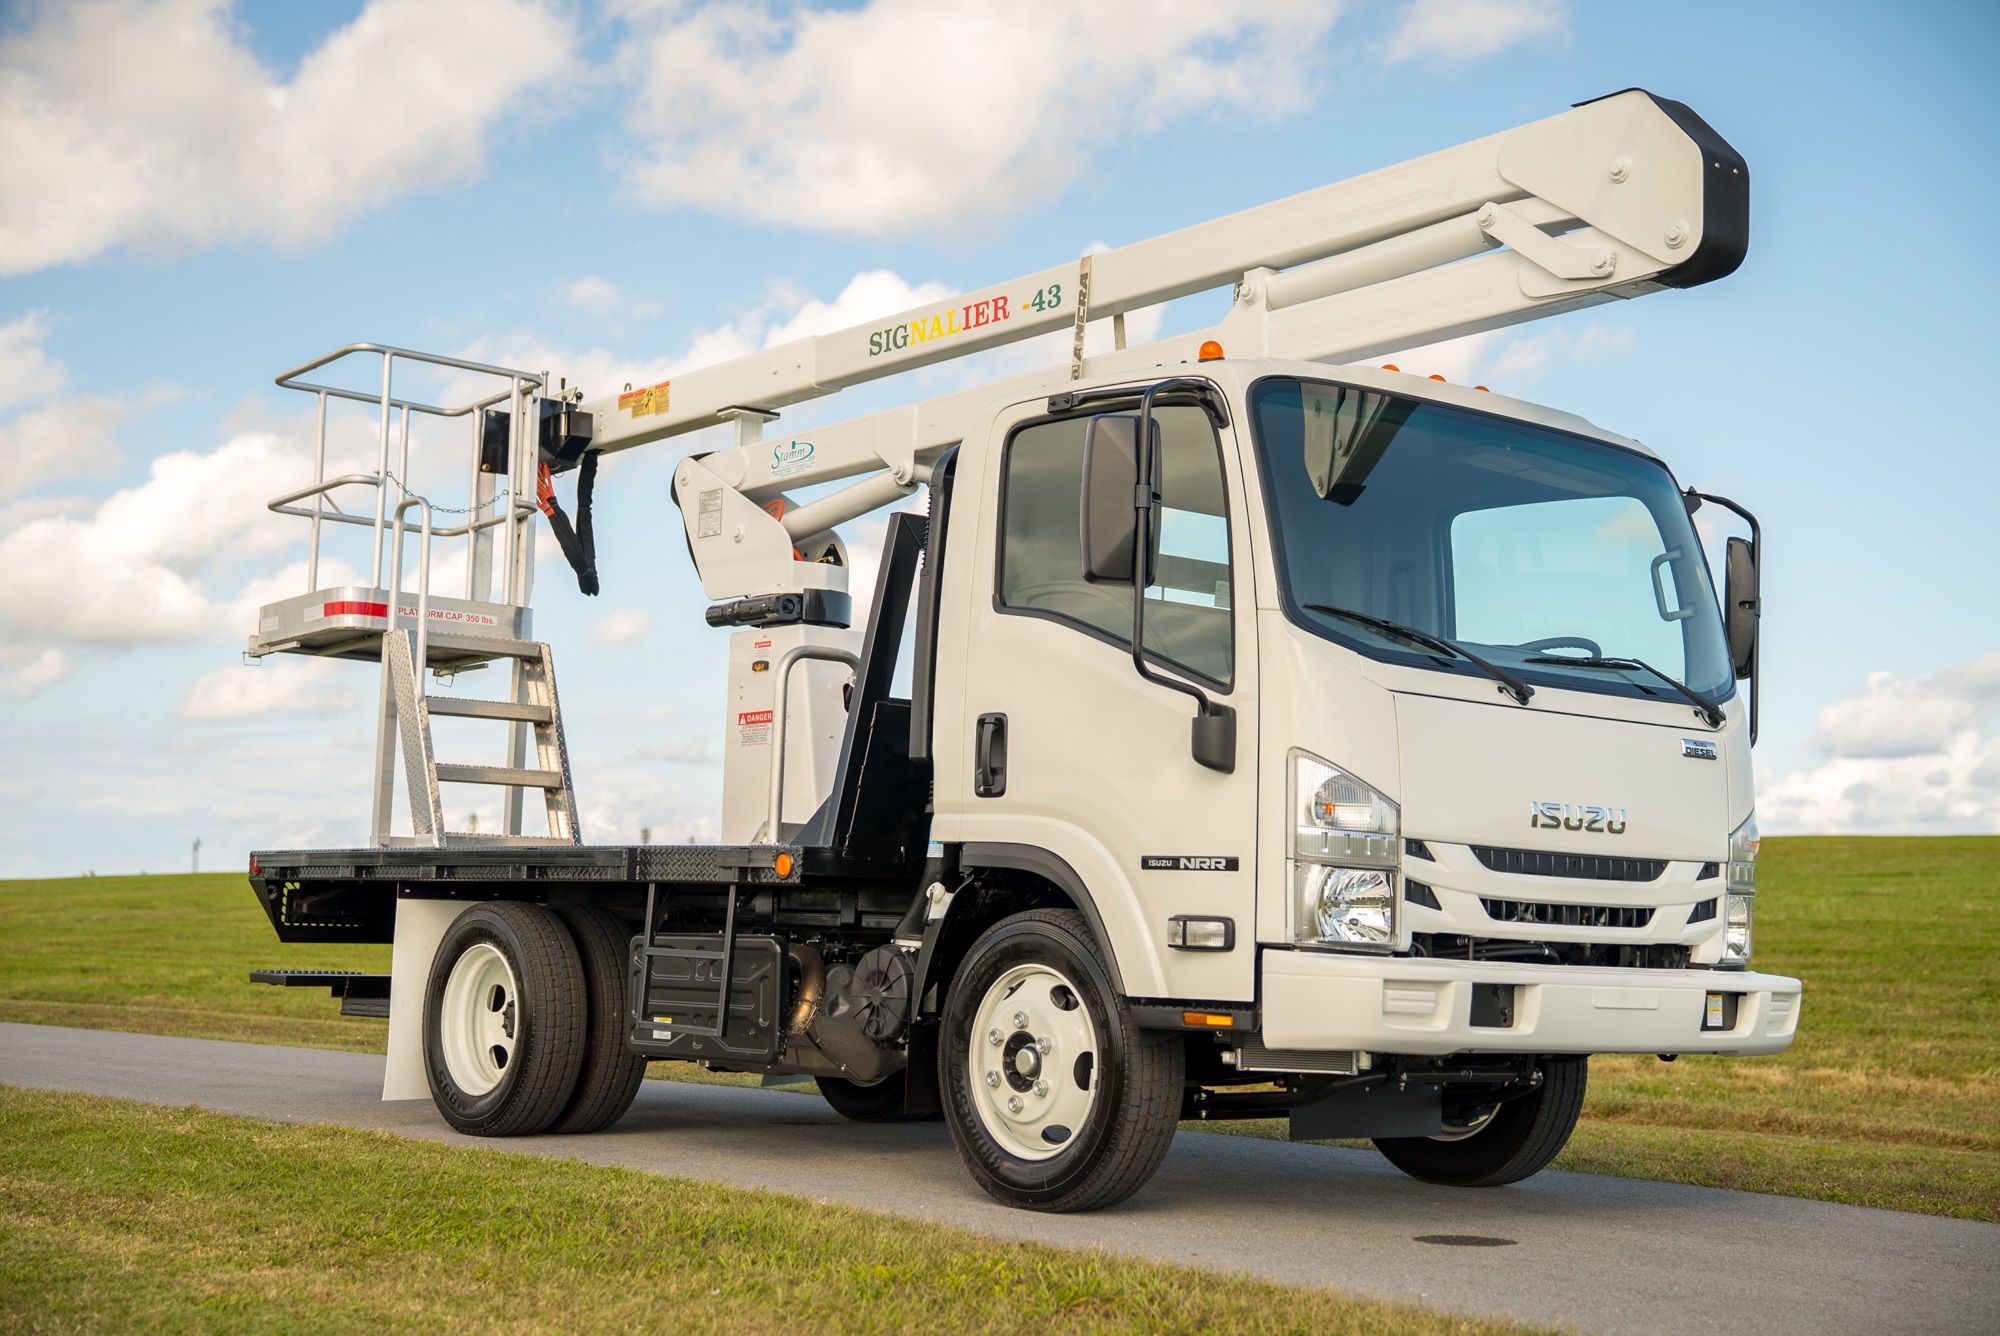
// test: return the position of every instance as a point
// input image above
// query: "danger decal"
(753, 728)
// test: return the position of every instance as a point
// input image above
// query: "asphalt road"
(1598, 1254)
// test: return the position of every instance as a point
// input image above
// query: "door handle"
(989, 770)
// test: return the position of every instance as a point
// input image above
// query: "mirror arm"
(1756, 564)
(1214, 730)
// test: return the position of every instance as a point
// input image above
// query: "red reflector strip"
(355, 610)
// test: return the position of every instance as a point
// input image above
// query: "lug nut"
(1020, 1020)
(992, 1078)
(992, 1036)
(1013, 1103)
(1042, 1046)
(1041, 1087)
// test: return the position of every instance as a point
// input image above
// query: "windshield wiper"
(1709, 710)
(1511, 684)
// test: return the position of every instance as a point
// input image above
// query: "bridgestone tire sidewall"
(611, 1074)
(1042, 1184)
(549, 1019)
(1523, 1137)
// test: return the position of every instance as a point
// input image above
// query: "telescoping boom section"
(1615, 198)
(1038, 894)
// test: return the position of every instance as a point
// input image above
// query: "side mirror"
(1108, 520)
(1743, 610)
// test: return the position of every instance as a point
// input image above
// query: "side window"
(1041, 563)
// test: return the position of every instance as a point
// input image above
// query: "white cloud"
(130, 572)
(1456, 31)
(694, 749)
(146, 122)
(283, 686)
(1901, 717)
(777, 318)
(907, 115)
(592, 295)
(26, 372)
(69, 439)
(1510, 362)
(621, 626)
(1902, 755)
(66, 439)
(32, 671)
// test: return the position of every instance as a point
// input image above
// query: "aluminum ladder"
(536, 706)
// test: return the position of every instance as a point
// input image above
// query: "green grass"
(1890, 1096)
(129, 1217)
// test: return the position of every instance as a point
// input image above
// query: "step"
(498, 774)
(465, 708)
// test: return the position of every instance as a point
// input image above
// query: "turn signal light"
(1210, 351)
(783, 865)
(1209, 1019)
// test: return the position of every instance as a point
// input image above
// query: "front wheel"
(1056, 1100)
(1485, 1146)
(504, 1020)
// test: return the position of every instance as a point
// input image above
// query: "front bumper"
(1382, 1004)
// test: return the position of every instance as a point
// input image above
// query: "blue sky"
(194, 196)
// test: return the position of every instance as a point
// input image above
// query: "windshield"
(1529, 547)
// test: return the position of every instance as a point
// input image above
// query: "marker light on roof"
(1210, 351)
(1436, 377)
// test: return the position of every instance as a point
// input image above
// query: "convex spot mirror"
(1109, 522)
(1740, 596)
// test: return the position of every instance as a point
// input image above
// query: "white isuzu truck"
(1287, 733)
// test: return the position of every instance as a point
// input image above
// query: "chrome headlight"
(1740, 901)
(1345, 848)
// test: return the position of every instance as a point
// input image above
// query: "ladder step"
(498, 774)
(488, 709)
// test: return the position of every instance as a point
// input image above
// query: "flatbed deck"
(349, 895)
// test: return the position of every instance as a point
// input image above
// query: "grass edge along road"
(1890, 1098)
(122, 1216)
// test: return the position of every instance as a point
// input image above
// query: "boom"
(1618, 197)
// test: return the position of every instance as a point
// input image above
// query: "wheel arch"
(1012, 878)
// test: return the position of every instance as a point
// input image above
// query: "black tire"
(611, 1074)
(1519, 1141)
(878, 1103)
(544, 1016)
(1136, 1076)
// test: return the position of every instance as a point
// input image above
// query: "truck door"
(1067, 749)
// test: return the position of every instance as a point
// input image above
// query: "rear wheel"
(1055, 1098)
(611, 1073)
(1484, 1146)
(504, 1020)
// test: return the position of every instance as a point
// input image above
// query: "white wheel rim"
(1032, 1039)
(1468, 1127)
(479, 1020)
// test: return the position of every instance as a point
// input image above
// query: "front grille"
(1592, 867)
(1643, 955)
(1567, 916)
(1702, 912)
